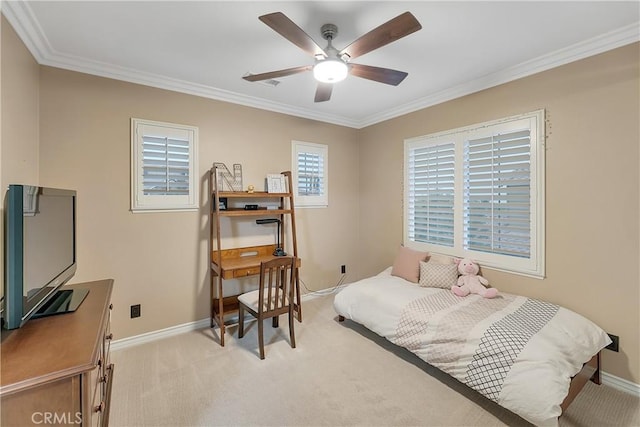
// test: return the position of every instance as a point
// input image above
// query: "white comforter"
(517, 351)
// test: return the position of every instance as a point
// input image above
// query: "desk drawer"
(244, 272)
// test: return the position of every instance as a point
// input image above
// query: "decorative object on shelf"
(279, 251)
(226, 180)
(222, 203)
(276, 183)
(250, 188)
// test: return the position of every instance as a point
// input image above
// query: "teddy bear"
(470, 282)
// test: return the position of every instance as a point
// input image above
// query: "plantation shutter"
(497, 194)
(164, 159)
(165, 165)
(310, 166)
(431, 194)
(310, 174)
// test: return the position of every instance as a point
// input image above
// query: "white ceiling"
(205, 47)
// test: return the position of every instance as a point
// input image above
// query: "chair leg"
(240, 321)
(261, 337)
(292, 334)
(275, 320)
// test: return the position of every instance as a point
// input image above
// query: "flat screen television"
(40, 253)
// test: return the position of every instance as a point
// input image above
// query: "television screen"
(40, 248)
(48, 240)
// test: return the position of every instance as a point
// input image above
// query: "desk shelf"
(256, 212)
(235, 263)
(254, 195)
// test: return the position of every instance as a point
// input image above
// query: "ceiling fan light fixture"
(331, 65)
(330, 71)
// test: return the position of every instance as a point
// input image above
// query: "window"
(478, 192)
(310, 174)
(163, 166)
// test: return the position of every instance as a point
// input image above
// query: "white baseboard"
(620, 384)
(175, 330)
(158, 335)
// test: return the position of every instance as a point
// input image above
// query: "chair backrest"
(277, 278)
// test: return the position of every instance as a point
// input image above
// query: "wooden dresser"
(57, 370)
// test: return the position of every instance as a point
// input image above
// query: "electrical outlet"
(614, 344)
(135, 311)
(343, 269)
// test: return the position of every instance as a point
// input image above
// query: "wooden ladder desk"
(235, 263)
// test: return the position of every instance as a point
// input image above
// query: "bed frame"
(590, 372)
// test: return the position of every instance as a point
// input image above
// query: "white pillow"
(436, 275)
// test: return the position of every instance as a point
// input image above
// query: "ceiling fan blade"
(284, 26)
(390, 31)
(382, 75)
(323, 92)
(276, 74)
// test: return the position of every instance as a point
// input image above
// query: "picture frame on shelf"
(276, 183)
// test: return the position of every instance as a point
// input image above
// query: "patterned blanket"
(517, 351)
(444, 343)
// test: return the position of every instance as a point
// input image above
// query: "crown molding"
(102, 69)
(25, 24)
(608, 41)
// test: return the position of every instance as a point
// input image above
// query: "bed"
(527, 355)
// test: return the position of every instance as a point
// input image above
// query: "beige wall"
(20, 75)
(159, 260)
(19, 91)
(592, 188)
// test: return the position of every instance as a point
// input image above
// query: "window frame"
(534, 265)
(141, 202)
(319, 201)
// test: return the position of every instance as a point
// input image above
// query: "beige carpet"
(340, 374)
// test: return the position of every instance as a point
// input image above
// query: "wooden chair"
(274, 297)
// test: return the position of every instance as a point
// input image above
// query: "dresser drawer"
(244, 272)
(107, 338)
(96, 396)
(101, 409)
(34, 406)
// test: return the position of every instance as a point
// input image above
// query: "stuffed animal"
(470, 282)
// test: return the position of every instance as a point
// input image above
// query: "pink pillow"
(407, 264)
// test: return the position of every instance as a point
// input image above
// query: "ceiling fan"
(332, 65)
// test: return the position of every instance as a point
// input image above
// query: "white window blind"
(165, 165)
(163, 169)
(310, 174)
(497, 194)
(478, 192)
(431, 194)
